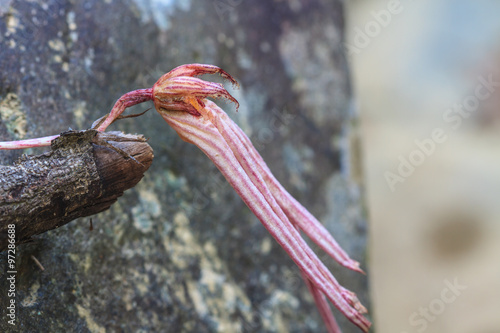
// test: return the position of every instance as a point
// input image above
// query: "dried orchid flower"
(181, 99)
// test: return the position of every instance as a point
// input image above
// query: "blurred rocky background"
(418, 67)
(180, 252)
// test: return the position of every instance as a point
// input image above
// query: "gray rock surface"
(181, 252)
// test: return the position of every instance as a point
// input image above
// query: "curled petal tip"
(181, 87)
(197, 70)
(360, 308)
(232, 99)
(353, 300)
(228, 77)
(355, 267)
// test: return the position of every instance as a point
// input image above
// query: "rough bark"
(83, 174)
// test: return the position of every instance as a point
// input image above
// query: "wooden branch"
(83, 174)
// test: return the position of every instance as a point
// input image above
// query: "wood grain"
(83, 174)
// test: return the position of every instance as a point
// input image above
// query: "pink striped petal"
(179, 87)
(202, 132)
(197, 70)
(297, 214)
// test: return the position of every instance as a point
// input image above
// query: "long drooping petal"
(179, 87)
(323, 306)
(202, 132)
(243, 153)
(297, 214)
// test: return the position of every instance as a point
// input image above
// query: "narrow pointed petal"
(247, 160)
(180, 106)
(201, 132)
(197, 70)
(184, 86)
(297, 214)
(30, 143)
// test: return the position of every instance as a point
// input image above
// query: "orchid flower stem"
(129, 99)
(29, 143)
